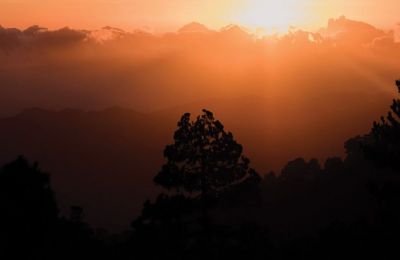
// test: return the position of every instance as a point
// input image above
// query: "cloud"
(341, 31)
(35, 36)
(9, 38)
(194, 28)
(145, 71)
(397, 33)
(348, 32)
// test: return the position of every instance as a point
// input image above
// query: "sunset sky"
(162, 15)
(96, 105)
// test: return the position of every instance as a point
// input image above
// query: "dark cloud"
(140, 70)
(64, 36)
(38, 37)
(340, 31)
(349, 32)
(9, 38)
(194, 28)
(34, 29)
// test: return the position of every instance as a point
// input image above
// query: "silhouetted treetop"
(30, 226)
(25, 192)
(384, 144)
(204, 158)
(28, 210)
(300, 170)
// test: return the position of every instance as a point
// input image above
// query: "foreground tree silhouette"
(383, 146)
(30, 225)
(28, 208)
(205, 167)
(205, 159)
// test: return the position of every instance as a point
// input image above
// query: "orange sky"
(168, 15)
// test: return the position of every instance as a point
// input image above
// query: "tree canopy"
(204, 158)
(383, 146)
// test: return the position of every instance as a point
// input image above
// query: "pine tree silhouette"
(28, 209)
(383, 146)
(204, 159)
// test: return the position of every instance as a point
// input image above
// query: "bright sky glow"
(165, 15)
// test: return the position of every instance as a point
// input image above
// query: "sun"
(271, 15)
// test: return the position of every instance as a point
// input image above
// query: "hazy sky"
(170, 14)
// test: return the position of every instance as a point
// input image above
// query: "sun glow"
(272, 15)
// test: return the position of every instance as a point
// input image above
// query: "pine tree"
(383, 146)
(204, 159)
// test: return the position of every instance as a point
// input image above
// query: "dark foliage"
(343, 208)
(30, 226)
(28, 208)
(171, 225)
(204, 159)
(384, 145)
